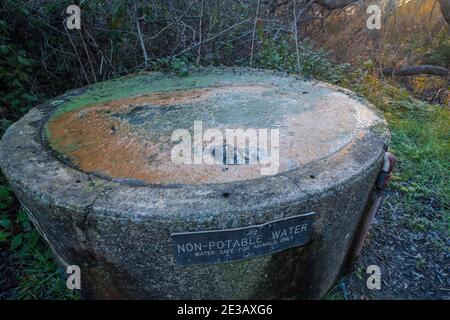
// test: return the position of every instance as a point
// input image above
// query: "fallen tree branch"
(335, 4)
(445, 9)
(412, 71)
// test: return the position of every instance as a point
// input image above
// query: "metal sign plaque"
(216, 246)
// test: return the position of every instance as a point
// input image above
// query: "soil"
(414, 264)
(9, 267)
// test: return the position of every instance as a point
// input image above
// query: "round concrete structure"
(97, 169)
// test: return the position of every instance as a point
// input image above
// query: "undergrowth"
(37, 274)
(420, 141)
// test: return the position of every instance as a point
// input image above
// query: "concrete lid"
(129, 130)
(33, 169)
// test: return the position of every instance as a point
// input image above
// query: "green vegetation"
(15, 70)
(281, 55)
(38, 275)
(421, 143)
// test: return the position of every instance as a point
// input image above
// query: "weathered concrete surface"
(119, 233)
(130, 137)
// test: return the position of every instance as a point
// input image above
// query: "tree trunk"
(445, 9)
(338, 4)
(411, 71)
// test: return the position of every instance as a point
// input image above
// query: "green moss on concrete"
(153, 82)
(147, 83)
(240, 110)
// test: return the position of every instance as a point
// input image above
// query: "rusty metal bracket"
(373, 206)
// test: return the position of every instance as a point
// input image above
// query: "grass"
(37, 274)
(421, 143)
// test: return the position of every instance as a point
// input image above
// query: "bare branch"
(213, 37)
(254, 33)
(445, 9)
(141, 38)
(412, 71)
(335, 4)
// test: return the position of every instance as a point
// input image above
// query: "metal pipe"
(374, 205)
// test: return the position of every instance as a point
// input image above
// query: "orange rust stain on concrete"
(175, 97)
(97, 142)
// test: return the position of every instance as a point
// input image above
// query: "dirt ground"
(414, 264)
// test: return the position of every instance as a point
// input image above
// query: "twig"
(254, 33)
(88, 56)
(76, 52)
(411, 71)
(296, 38)
(141, 38)
(212, 38)
(160, 31)
(200, 33)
